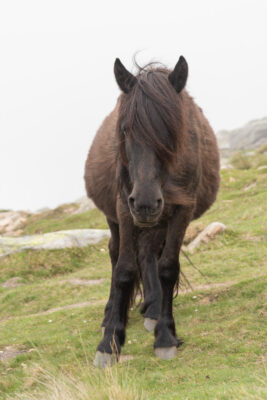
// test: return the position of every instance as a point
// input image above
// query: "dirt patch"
(11, 352)
(212, 297)
(206, 286)
(12, 282)
(70, 306)
(254, 238)
(83, 282)
(208, 299)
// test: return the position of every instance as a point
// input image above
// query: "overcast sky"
(57, 84)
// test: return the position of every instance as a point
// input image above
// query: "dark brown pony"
(152, 168)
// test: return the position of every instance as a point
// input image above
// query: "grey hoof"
(103, 330)
(166, 353)
(150, 324)
(103, 360)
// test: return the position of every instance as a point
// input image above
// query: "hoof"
(150, 324)
(103, 360)
(103, 330)
(166, 353)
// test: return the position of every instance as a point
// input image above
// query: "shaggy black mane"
(152, 113)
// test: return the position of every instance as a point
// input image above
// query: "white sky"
(57, 84)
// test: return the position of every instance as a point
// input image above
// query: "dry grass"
(240, 161)
(92, 385)
(256, 392)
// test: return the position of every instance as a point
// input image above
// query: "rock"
(85, 204)
(53, 240)
(249, 136)
(12, 282)
(262, 167)
(206, 235)
(11, 221)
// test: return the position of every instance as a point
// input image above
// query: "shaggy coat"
(152, 168)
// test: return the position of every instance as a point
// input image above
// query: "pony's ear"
(179, 75)
(124, 78)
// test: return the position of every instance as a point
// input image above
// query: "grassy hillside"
(61, 219)
(223, 320)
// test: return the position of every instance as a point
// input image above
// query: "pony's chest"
(168, 212)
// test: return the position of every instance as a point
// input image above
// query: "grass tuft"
(91, 385)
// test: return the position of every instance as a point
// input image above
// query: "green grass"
(245, 160)
(223, 321)
(58, 220)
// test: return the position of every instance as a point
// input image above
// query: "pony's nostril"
(159, 203)
(131, 201)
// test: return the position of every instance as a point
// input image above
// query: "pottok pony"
(152, 168)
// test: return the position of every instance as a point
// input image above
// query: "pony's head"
(150, 133)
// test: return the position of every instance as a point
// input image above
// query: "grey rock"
(249, 136)
(53, 240)
(12, 221)
(206, 235)
(85, 204)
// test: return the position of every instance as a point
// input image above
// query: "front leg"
(114, 244)
(124, 278)
(166, 341)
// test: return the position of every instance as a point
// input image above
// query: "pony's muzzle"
(145, 213)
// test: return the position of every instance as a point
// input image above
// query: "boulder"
(206, 235)
(53, 240)
(85, 204)
(12, 221)
(250, 136)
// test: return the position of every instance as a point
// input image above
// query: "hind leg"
(149, 249)
(114, 244)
